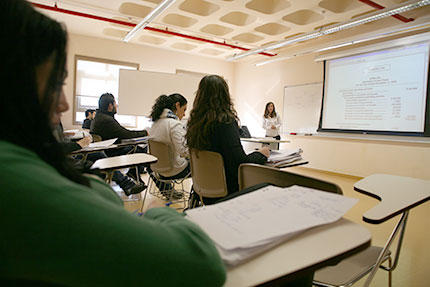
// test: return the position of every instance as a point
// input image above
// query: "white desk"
(307, 252)
(123, 161)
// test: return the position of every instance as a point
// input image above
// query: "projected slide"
(379, 91)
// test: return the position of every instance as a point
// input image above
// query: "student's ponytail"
(161, 103)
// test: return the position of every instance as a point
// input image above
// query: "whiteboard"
(138, 90)
(302, 107)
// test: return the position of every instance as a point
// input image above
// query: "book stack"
(250, 224)
(284, 157)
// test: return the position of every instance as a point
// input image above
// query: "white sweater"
(269, 122)
(172, 132)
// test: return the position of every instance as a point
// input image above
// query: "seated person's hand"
(265, 151)
(85, 141)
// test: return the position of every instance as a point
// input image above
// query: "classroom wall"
(149, 58)
(254, 86)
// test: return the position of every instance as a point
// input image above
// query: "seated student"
(213, 126)
(60, 228)
(89, 115)
(126, 183)
(107, 127)
(166, 115)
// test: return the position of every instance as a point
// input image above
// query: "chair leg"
(390, 274)
(393, 235)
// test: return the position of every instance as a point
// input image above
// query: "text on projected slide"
(383, 90)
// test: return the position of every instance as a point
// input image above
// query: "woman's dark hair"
(266, 111)
(212, 105)
(166, 102)
(31, 41)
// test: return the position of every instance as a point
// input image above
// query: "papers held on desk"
(105, 143)
(135, 140)
(279, 158)
(252, 223)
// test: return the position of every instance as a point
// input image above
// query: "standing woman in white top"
(166, 114)
(272, 122)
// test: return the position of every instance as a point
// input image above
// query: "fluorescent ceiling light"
(335, 28)
(149, 18)
(350, 42)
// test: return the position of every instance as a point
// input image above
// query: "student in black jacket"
(213, 126)
(89, 117)
(107, 127)
(105, 124)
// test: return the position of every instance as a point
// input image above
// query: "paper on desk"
(102, 143)
(246, 225)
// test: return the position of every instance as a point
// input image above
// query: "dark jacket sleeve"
(226, 141)
(69, 147)
(108, 128)
(114, 130)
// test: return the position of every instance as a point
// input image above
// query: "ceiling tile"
(215, 29)
(179, 20)
(268, 6)
(248, 38)
(152, 40)
(134, 9)
(303, 17)
(339, 6)
(238, 18)
(272, 29)
(183, 46)
(198, 7)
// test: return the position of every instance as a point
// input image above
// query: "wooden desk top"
(123, 161)
(396, 193)
(307, 251)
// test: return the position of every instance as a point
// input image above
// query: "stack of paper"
(252, 223)
(279, 158)
(136, 140)
(100, 144)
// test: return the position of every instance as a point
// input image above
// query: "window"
(93, 77)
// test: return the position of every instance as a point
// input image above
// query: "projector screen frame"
(424, 133)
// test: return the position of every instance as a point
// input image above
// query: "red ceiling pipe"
(56, 9)
(377, 6)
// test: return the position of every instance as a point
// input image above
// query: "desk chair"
(251, 174)
(397, 195)
(161, 151)
(207, 171)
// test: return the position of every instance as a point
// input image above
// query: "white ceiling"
(245, 23)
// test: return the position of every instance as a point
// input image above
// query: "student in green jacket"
(59, 227)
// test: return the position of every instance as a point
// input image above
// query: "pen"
(293, 134)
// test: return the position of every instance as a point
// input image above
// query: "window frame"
(99, 60)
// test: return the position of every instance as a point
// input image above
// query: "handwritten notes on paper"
(245, 225)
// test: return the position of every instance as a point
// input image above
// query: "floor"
(413, 268)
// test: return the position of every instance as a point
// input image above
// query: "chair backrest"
(207, 171)
(252, 174)
(161, 151)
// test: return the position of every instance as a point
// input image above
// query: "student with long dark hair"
(213, 126)
(59, 227)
